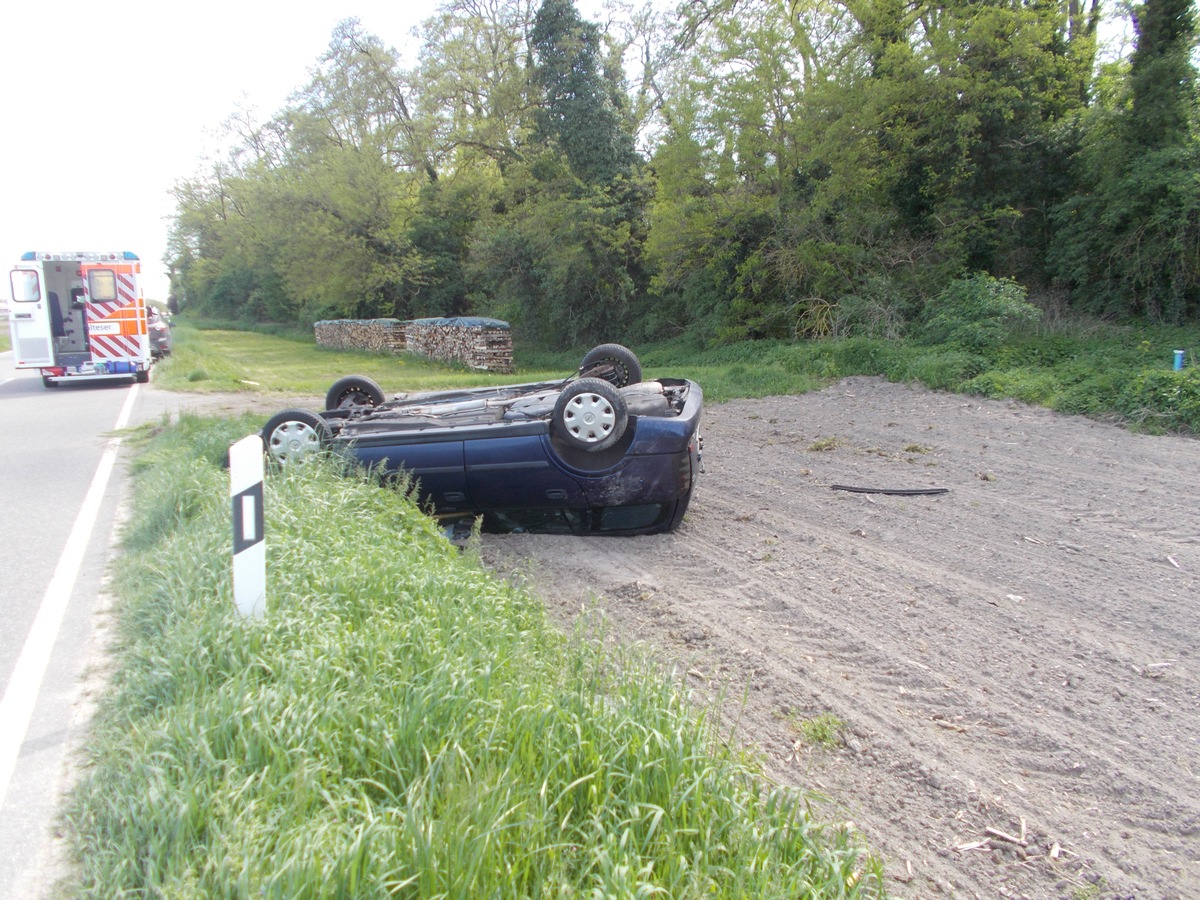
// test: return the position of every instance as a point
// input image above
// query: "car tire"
(353, 390)
(49, 382)
(590, 414)
(617, 365)
(294, 436)
(142, 376)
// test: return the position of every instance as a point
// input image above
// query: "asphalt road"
(62, 481)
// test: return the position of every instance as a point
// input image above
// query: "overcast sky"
(107, 104)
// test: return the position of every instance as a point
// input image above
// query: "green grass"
(1112, 372)
(219, 360)
(400, 723)
(824, 730)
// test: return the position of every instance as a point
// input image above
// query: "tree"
(1161, 76)
(816, 166)
(966, 122)
(559, 253)
(475, 81)
(441, 229)
(217, 265)
(333, 227)
(556, 257)
(1128, 240)
(358, 97)
(577, 110)
(306, 218)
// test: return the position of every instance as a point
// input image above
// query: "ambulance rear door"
(29, 318)
(117, 326)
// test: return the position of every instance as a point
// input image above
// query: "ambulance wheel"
(142, 376)
(294, 436)
(47, 381)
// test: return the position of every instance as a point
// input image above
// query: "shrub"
(1160, 400)
(1034, 387)
(978, 312)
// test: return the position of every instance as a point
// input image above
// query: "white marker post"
(249, 548)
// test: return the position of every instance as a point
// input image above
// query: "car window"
(536, 521)
(573, 521)
(624, 518)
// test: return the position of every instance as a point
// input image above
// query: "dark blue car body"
(502, 454)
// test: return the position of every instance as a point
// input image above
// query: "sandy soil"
(1014, 659)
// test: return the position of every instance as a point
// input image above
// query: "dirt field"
(1014, 659)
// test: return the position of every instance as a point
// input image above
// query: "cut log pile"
(474, 342)
(379, 335)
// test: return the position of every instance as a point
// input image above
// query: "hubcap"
(590, 418)
(291, 442)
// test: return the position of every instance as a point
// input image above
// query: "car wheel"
(590, 414)
(353, 390)
(49, 382)
(615, 364)
(294, 436)
(142, 376)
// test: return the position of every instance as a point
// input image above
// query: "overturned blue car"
(599, 452)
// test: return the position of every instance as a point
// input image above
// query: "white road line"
(20, 698)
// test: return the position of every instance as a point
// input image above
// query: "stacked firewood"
(379, 335)
(475, 342)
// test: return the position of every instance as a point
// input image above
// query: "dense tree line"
(736, 168)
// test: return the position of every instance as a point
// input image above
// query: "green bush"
(977, 313)
(1037, 388)
(1163, 400)
(940, 369)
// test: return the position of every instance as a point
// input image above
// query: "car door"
(515, 472)
(436, 465)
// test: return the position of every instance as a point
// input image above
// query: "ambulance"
(79, 316)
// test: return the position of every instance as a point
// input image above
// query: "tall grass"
(400, 723)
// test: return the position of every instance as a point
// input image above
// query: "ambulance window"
(25, 287)
(102, 285)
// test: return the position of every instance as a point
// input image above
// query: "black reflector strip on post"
(248, 518)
